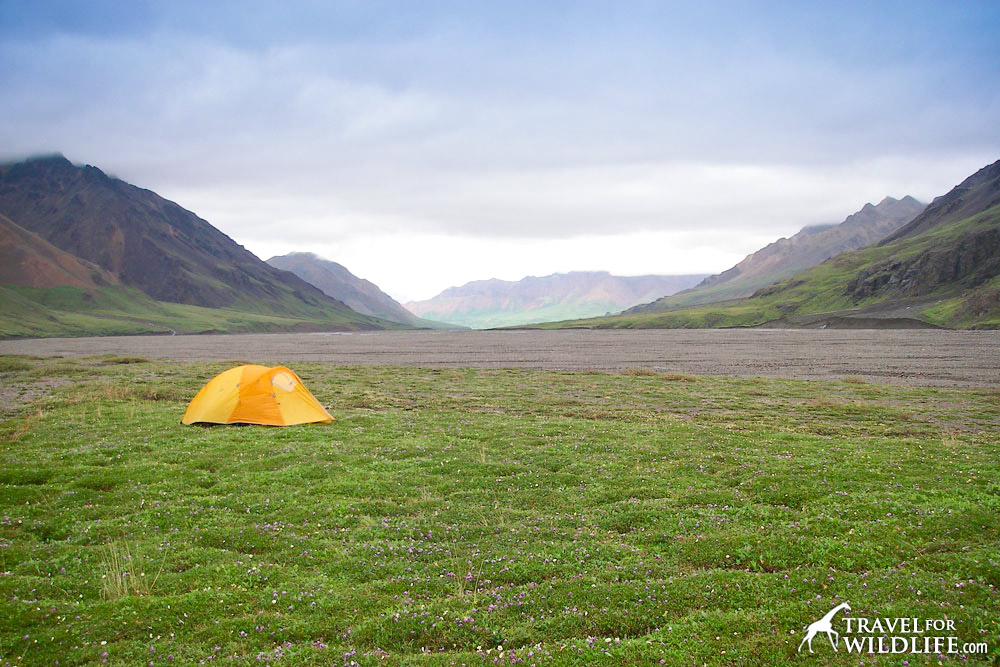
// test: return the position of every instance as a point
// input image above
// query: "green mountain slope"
(944, 270)
(787, 256)
(117, 311)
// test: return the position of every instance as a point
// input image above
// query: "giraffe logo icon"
(824, 624)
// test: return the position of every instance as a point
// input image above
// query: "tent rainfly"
(255, 395)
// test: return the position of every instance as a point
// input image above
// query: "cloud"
(438, 261)
(510, 123)
(561, 203)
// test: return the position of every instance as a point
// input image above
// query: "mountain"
(491, 303)
(979, 192)
(787, 256)
(28, 260)
(146, 241)
(161, 266)
(336, 281)
(941, 269)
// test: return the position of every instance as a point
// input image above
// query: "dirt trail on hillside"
(917, 357)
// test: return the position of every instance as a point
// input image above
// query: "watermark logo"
(932, 636)
(824, 624)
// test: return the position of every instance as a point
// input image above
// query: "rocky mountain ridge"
(787, 256)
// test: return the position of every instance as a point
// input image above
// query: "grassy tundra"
(460, 516)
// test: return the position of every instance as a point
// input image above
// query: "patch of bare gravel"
(15, 394)
(914, 357)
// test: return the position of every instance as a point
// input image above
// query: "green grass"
(714, 315)
(571, 518)
(107, 311)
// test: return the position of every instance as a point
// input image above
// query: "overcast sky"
(426, 144)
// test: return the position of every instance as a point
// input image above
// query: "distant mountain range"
(360, 294)
(786, 257)
(942, 268)
(87, 253)
(493, 303)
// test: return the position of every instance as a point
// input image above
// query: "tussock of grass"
(120, 359)
(26, 423)
(678, 377)
(124, 574)
(824, 402)
(9, 364)
(60, 368)
(639, 372)
(668, 377)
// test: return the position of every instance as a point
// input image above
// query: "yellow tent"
(255, 395)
